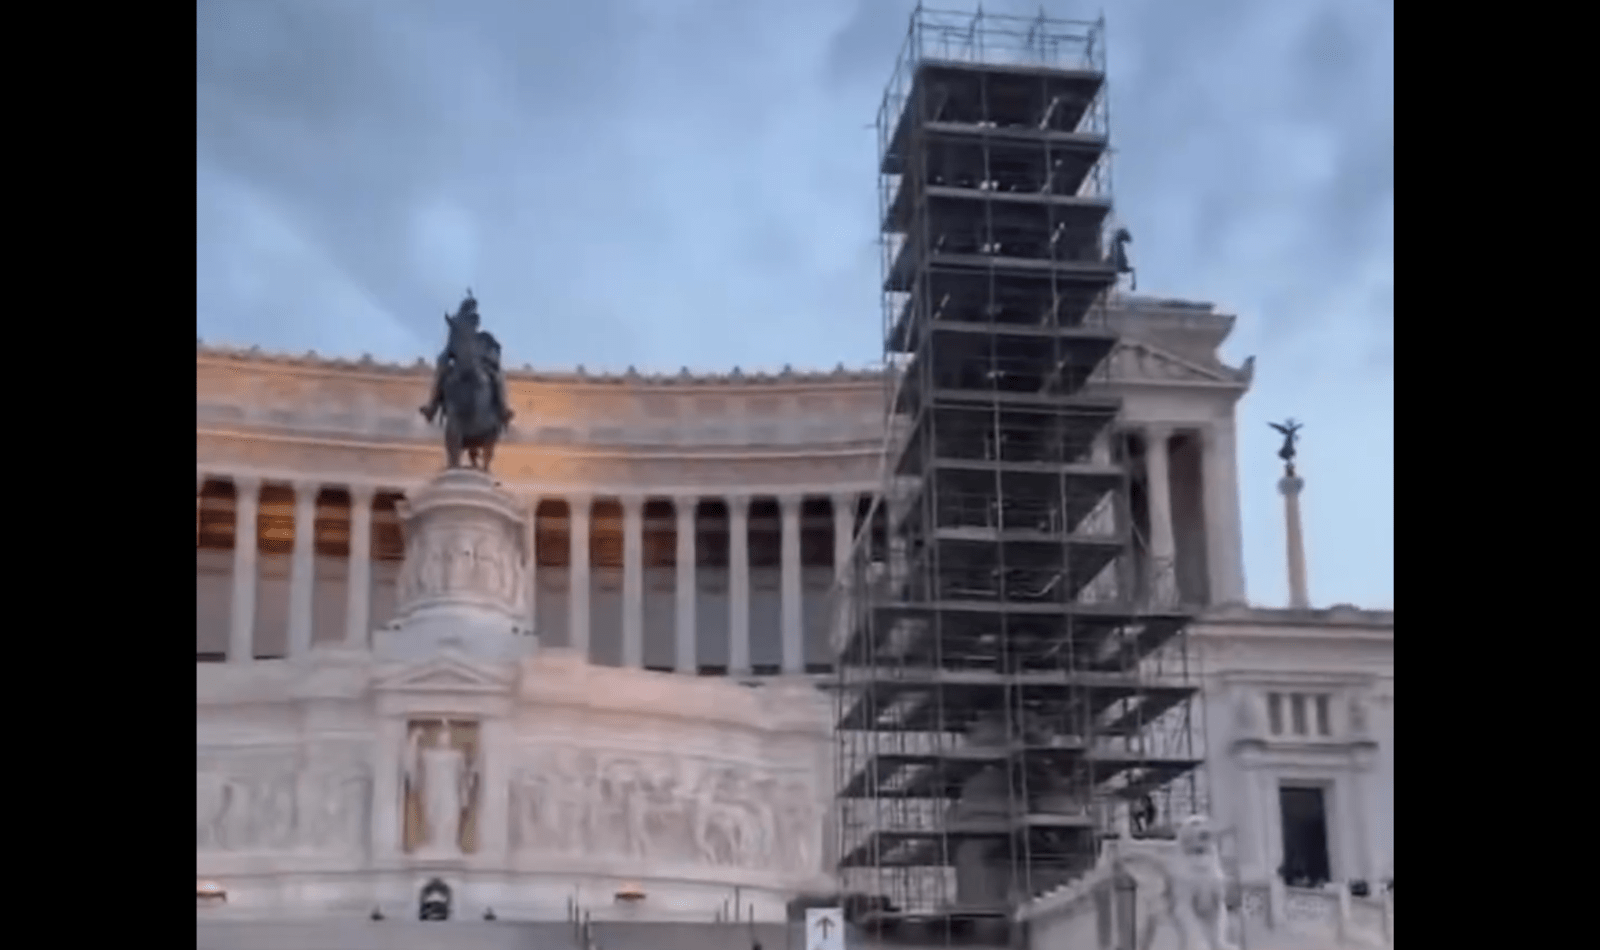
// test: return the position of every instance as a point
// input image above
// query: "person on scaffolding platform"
(1144, 815)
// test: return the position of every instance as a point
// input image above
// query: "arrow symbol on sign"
(823, 923)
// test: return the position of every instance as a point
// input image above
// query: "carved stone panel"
(672, 810)
(246, 803)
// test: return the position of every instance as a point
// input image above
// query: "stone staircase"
(382, 935)
(504, 935)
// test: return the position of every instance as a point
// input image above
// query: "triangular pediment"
(447, 673)
(1135, 360)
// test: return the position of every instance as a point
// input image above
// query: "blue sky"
(667, 183)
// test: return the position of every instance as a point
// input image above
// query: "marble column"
(1224, 538)
(302, 568)
(358, 576)
(738, 585)
(578, 574)
(633, 582)
(242, 621)
(1291, 485)
(494, 808)
(794, 654)
(687, 591)
(386, 790)
(1364, 818)
(844, 529)
(1163, 575)
(530, 544)
(1249, 815)
(1270, 819)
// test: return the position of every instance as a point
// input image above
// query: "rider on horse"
(485, 352)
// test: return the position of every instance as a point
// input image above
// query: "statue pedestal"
(464, 583)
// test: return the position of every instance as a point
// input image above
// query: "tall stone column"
(1224, 538)
(687, 591)
(1268, 821)
(494, 751)
(1290, 485)
(242, 621)
(578, 574)
(302, 569)
(844, 529)
(531, 582)
(794, 655)
(738, 585)
(1163, 579)
(1249, 814)
(386, 791)
(633, 582)
(358, 578)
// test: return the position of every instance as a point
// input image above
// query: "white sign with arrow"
(824, 928)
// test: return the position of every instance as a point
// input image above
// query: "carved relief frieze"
(672, 810)
(476, 560)
(252, 803)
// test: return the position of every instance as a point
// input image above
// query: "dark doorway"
(1305, 836)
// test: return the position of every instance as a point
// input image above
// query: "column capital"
(246, 484)
(845, 499)
(1156, 431)
(686, 505)
(307, 487)
(580, 501)
(790, 504)
(737, 504)
(361, 494)
(631, 504)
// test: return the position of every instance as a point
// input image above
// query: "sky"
(671, 183)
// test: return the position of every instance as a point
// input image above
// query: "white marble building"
(683, 532)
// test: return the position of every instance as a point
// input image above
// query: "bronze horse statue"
(469, 389)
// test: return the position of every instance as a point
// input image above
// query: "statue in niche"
(443, 783)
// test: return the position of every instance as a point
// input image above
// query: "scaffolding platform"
(1013, 667)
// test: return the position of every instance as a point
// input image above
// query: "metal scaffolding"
(1013, 673)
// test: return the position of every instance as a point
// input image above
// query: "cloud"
(692, 182)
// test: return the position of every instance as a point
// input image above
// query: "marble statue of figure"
(1196, 888)
(446, 783)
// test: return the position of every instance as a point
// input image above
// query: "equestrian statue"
(470, 390)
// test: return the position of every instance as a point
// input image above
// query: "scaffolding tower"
(1014, 682)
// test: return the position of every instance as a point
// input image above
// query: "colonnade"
(1219, 502)
(245, 573)
(1219, 497)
